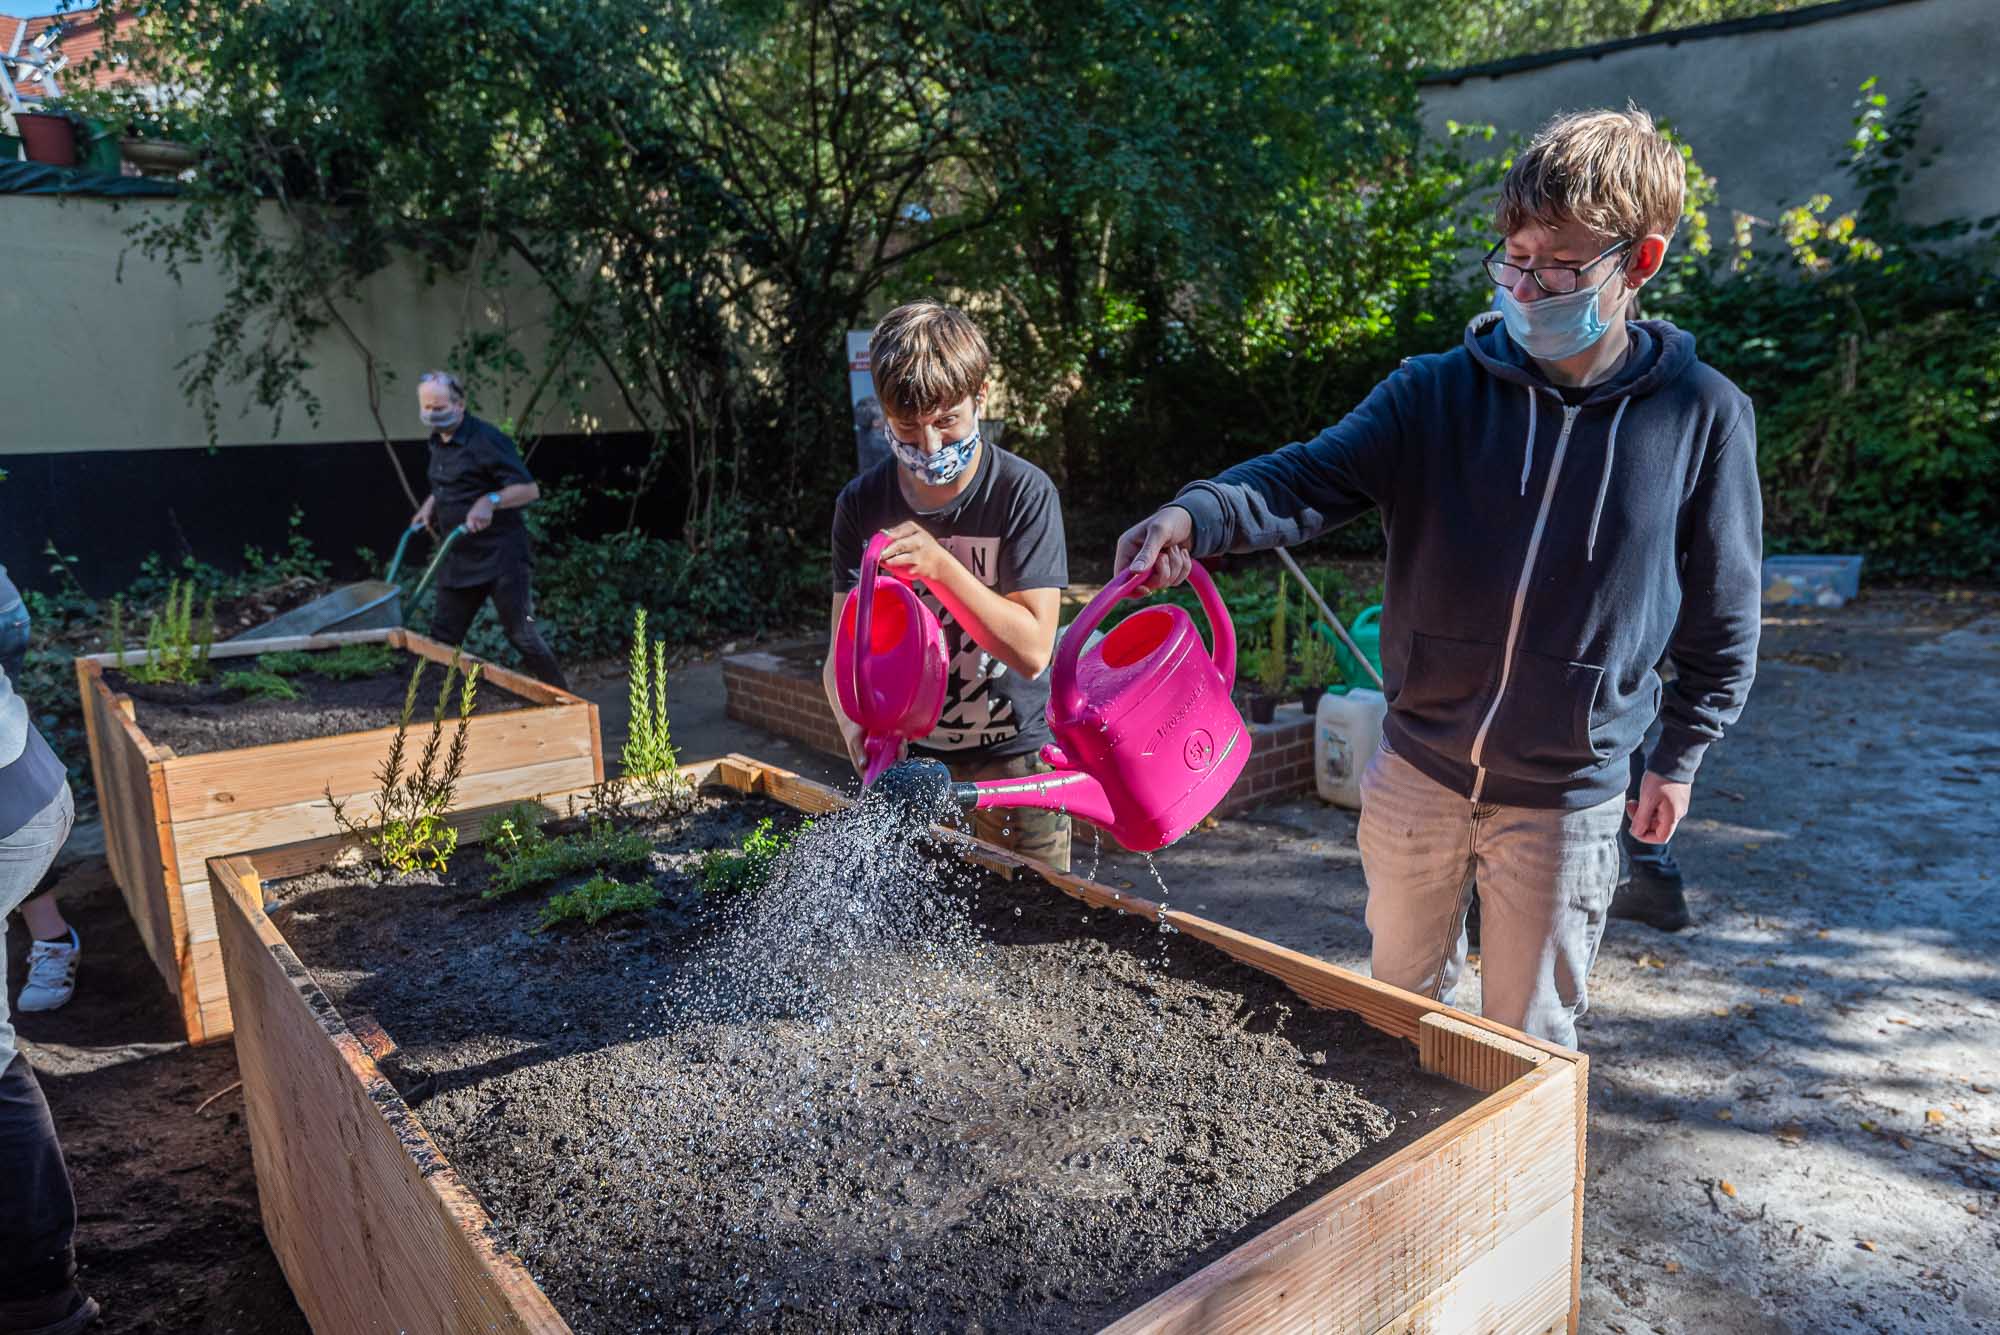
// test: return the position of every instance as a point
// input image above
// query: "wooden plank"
(282, 774)
(1363, 1256)
(518, 683)
(196, 841)
(1509, 1288)
(245, 648)
(374, 1230)
(1448, 1046)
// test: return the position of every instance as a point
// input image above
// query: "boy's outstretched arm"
(1017, 628)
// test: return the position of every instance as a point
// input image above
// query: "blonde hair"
(925, 357)
(1612, 171)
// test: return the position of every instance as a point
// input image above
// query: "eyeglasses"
(1558, 280)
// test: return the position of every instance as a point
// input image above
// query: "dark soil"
(168, 1237)
(1088, 1113)
(209, 717)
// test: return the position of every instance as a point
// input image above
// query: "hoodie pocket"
(1541, 730)
(1446, 687)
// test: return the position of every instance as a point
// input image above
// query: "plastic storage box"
(1810, 581)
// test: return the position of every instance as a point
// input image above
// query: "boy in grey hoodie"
(1568, 496)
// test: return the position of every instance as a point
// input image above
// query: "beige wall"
(1766, 112)
(90, 356)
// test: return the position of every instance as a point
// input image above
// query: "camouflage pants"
(1041, 835)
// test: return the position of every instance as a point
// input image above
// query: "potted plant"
(1318, 669)
(1271, 665)
(48, 134)
(156, 144)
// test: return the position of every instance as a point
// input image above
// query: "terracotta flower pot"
(47, 137)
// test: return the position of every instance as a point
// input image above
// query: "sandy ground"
(1794, 1117)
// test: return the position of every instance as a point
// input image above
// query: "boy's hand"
(1660, 808)
(1162, 544)
(916, 554)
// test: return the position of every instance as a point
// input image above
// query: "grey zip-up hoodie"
(1543, 558)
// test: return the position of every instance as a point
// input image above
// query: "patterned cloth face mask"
(440, 419)
(943, 466)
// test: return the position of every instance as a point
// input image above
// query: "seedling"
(1318, 665)
(176, 650)
(524, 857)
(595, 900)
(1273, 662)
(260, 685)
(350, 662)
(409, 830)
(648, 759)
(728, 871)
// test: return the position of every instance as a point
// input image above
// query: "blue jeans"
(1545, 884)
(37, 1211)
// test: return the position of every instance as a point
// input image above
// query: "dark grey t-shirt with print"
(1007, 529)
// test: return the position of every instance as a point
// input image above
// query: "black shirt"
(1006, 528)
(475, 459)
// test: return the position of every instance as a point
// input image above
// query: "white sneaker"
(51, 974)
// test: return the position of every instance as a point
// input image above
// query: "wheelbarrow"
(373, 604)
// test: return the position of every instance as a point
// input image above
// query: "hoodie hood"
(1661, 355)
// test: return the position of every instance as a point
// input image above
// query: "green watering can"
(1367, 634)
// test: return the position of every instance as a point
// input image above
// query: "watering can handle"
(864, 614)
(1066, 702)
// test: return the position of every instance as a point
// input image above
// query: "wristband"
(493, 499)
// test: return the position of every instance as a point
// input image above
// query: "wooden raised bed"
(1475, 1227)
(165, 815)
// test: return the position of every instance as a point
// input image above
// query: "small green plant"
(176, 648)
(117, 632)
(595, 900)
(350, 662)
(409, 829)
(524, 856)
(1318, 665)
(260, 685)
(647, 761)
(727, 871)
(1273, 661)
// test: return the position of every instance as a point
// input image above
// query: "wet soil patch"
(1085, 1113)
(194, 720)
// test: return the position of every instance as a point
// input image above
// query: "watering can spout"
(924, 789)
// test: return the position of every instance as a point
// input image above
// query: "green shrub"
(726, 871)
(647, 761)
(524, 857)
(260, 685)
(595, 900)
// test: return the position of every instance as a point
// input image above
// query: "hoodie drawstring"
(1604, 483)
(1528, 446)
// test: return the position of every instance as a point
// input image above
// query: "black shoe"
(1651, 890)
(1472, 922)
(62, 1313)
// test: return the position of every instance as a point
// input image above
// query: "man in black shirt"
(478, 480)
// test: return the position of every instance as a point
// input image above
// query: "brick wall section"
(768, 692)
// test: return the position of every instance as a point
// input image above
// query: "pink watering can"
(889, 662)
(1147, 738)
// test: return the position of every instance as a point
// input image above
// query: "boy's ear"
(1647, 257)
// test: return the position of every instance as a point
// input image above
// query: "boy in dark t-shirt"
(982, 531)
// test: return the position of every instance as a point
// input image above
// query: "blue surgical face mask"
(440, 419)
(1552, 328)
(941, 467)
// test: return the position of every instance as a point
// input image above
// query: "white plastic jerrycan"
(1346, 732)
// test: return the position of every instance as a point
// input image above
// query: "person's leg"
(1416, 850)
(1547, 879)
(453, 610)
(56, 953)
(514, 600)
(38, 1223)
(1041, 835)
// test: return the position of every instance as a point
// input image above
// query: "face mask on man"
(441, 419)
(942, 466)
(1553, 328)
